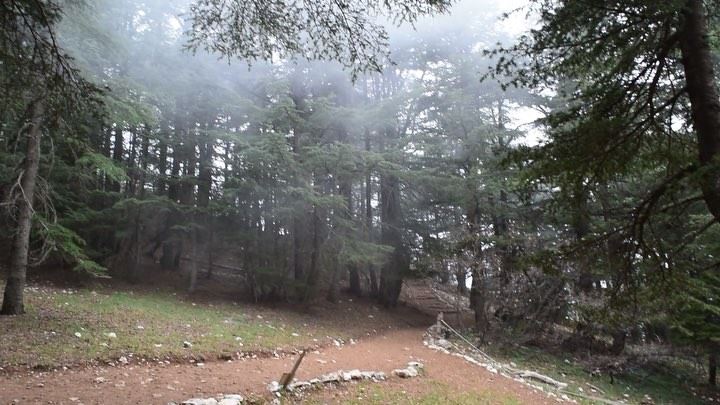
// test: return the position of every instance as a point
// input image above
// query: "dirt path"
(160, 384)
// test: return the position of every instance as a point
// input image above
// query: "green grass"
(149, 325)
(431, 393)
(629, 385)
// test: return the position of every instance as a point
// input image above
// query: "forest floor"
(104, 346)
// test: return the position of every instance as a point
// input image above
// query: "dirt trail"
(175, 382)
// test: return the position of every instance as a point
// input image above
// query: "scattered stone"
(444, 343)
(111, 335)
(274, 386)
(78, 334)
(231, 400)
(299, 386)
(416, 365)
(187, 344)
(355, 374)
(200, 401)
(123, 360)
(409, 372)
(380, 376)
(330, 378)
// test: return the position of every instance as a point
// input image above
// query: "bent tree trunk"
(697, 61)
(13, 302)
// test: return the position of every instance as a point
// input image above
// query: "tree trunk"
(161, 183)
(195, 259)
(369, 219)
(478, 301)
(618, 343)
(117, 155)
(697, 60)
(205, 173)
(354, 275)
(314, 255)
(461, 276)
(144, 157)
(712, 367)
(391, 277)
(174, 183)
(298, 95)
(13, 301)
(298, 268)
(131, 166)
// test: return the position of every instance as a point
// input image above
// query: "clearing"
(102, 345)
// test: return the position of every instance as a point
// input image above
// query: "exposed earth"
(163, 383)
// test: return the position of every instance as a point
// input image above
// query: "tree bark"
(697, 60)
(13, 300)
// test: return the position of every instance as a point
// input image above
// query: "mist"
(212, 202)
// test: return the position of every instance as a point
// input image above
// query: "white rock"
(111, 335)
(346, 376)
(409, 372)
(78, 334)
(231, 400)
(200, 401)
(355, 374)
(330, 378)
(445, 344)
(123, 360)
(274, 386)
(416, 365)
(379, 375)
(299, 386)
(187, 344)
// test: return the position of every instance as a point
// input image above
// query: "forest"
(199, 187)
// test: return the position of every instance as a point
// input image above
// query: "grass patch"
(76, 326)
(629, 385)
(423, 393)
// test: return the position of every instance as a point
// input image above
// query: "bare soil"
(159, 384)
